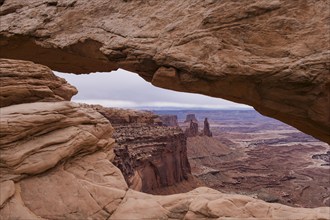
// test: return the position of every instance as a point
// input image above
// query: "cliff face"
(56, 163)
(150, 156)
(192, 130)
(270, 54)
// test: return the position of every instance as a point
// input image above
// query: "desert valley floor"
(258, 156)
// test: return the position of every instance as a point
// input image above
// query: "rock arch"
(272, 55)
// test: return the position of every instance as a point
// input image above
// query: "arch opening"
(247, 153)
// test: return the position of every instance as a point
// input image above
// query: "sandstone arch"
(273, 55)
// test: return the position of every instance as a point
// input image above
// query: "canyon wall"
(56, 163)
(150, 155)
(270, 54)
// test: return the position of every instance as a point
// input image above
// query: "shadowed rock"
(206, 129)
(151, 157)
(192, 130)
(272, 55)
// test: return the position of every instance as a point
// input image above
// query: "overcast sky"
(127, 90)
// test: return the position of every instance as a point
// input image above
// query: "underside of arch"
(272, 55)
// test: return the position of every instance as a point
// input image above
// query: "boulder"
(26, 82)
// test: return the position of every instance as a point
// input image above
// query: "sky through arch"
(124, 89)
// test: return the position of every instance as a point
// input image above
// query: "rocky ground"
(261, 157)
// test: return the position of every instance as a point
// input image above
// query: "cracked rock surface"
(25, 82)
(270, 54)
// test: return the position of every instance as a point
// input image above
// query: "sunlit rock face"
(56, 163)
(273, 55)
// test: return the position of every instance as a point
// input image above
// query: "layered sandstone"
(53, 152)
(206, 129)
(37, 136)
(151, 156)
(272, 55)
(56, 163)
(24, 82)
(192, 130)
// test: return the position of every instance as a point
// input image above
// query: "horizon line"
(160, 105)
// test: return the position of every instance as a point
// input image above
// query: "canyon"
(257, 156)
(152, 156)
(57, 157)
(57, 162)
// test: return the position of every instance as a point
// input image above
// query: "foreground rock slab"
(272, 55)
(25, 82)
(37, 136)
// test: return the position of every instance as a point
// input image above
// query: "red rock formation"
(270, 54)
(150, 156)
(169, 120)
(190, 117)
(206, 129)
(192, 130)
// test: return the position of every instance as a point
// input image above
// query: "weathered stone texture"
(150, 156)
(206, 129)
(37, 136)
(26, 82)
(270, 54)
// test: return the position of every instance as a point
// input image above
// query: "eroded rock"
(7, 190)
(150, 156)
(25, 82)
(205, 203)
(191, 117)
(169, 120)
(206, 129)
(192, 130)
(36, 136)
(272, 55)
